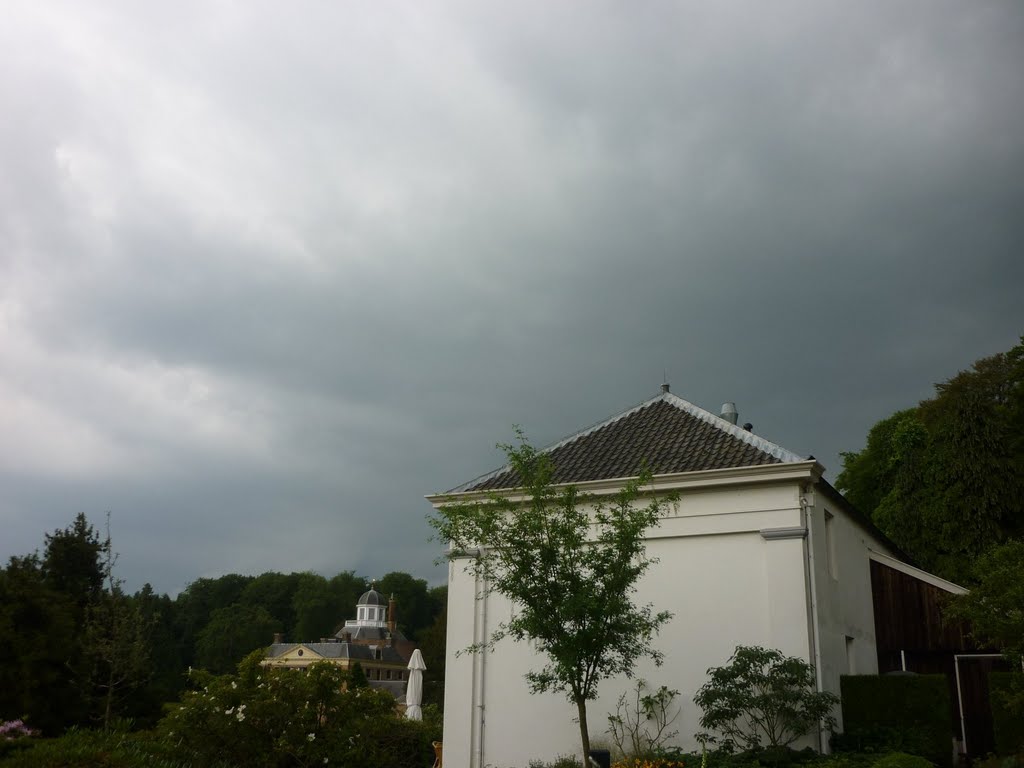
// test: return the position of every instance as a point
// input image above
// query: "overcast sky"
(271, 272)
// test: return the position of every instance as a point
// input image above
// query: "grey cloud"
(266, 279)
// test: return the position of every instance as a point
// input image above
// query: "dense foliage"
(88, 748)
(900, 713)
(1007, 723)
(945, 480)
(762, 698)
(995, 610)
(79, 651)
(569, 563)
(274, 718)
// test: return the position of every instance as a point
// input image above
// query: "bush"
(1007, 724)
(271, 718)
(562, 761)
(88, 749)
(761, 695)
(640, 726)
(896, 713)
(901, 760)
(1007, 761)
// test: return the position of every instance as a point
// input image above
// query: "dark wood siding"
(908, 614)
(909, 626)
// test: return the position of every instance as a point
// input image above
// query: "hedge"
(1008, 727)
(903, 713)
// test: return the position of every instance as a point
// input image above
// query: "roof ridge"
(760, 443)
(772, 449)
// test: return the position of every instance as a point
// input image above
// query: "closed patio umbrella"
(414, 690)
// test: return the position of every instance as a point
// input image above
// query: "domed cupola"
(372, 609)
(372, 597)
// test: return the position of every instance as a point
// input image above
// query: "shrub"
(1007, 724)
(562, 761)
(897, 713)
(762, 696)
(79, 748)
(648, 762)
(640, 725)
(901, 760)
(1006, 761)
(267, 718)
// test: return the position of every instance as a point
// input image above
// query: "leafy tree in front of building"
(570, 564)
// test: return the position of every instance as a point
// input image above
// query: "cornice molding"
(802, 471)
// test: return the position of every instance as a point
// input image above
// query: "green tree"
(762, 696)
(358, 677)
(195, 604)
(433, 645)
(71, 563)
(275, 592)
(945, 480)
(316, 607)
(37, 639)
(413, 607)
(570, 564)
(232, 633)
(995, 609)
(115, 644)
(347, 587)
(168, 672)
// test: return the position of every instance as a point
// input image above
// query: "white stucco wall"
(843, 587)
(725, 582)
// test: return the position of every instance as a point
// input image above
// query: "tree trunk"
(581, 708)
(109, 703)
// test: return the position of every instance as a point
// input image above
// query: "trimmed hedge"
(1008, 727)
(902, 713)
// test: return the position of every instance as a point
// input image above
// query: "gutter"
(812, 588)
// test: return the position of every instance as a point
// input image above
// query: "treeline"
(75, 649)
(945, 479)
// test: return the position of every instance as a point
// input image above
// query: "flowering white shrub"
(277, 717)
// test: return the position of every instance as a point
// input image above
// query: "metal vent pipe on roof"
(729, 413)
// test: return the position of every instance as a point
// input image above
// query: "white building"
(758, 550)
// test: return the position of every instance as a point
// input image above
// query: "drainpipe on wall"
(480, 638)
(812, 584)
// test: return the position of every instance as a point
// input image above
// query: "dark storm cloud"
(267, 278)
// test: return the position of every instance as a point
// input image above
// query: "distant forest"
(75, 649)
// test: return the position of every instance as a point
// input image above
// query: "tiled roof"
(665, 435)
(369, 633)
(339, 651)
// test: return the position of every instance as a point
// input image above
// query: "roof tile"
(664, 435)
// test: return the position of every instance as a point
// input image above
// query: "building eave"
(917, 573)
(797, 471)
